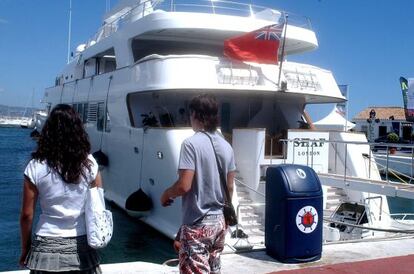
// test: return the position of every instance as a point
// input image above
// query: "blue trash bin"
(294, 214)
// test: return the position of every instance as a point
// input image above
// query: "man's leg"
(193, 251)
(217, 246)
(201, 245)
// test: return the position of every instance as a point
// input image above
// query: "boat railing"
(345, 158)
(402, 216)
(233, 8)
(222, 7)
(302, 79)
(130, 14)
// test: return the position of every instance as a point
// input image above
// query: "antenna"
(70, 29)
(108, 5)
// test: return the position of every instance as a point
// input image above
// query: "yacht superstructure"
(132, 82)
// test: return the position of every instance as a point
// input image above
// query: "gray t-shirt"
(206, 195)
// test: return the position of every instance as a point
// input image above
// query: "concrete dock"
(379, 256)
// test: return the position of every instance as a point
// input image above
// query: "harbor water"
(132, 240)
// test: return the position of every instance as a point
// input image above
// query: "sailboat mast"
(70, 28)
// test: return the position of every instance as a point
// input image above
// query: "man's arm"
(179, 188)
(230, 182)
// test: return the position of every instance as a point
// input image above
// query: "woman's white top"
(62, 204)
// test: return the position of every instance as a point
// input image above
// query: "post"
(346, 157)
(386, 170)
(271, 149)
(369, 161)
(336, 156)
(108, 5)
(283, 49)
(70, 29)
(412, 163)
(312, 158)
(212, 5)
(346, 108)
(251, 11)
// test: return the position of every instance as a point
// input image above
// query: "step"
(255, 218)
(247, 209)
(245, 200)
(336, 190)
(251, 226)
(243, 194)
(330, 205)
(334, 197)
(333, 189)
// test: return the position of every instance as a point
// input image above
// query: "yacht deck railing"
(143, 8)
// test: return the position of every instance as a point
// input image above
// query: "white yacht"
(132, 82)
(12, 121)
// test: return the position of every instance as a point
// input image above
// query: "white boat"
(39, 118)
(132, 82)
(399, 165)
(28, 122)
(12, 121)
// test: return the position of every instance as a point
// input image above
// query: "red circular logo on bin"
(307, 219)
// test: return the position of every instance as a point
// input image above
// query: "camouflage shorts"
(201, 245)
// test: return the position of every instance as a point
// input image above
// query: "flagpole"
(70, 29)
(283, 49)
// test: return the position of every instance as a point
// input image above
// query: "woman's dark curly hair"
(64, 144)
(205, 109)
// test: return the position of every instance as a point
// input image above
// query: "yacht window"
(89, 68)
(382, 131)
(158, 109)
(101, 63)
(106, 64)
(143, 47)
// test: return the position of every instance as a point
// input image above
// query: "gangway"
(369, 180)
(388, 188)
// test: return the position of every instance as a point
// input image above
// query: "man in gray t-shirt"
(203, 230)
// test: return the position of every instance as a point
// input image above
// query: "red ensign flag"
(259, 46)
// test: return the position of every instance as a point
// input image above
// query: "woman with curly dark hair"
(59, 174)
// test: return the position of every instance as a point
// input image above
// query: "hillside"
(16, 111)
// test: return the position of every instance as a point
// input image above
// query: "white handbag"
(99, 225)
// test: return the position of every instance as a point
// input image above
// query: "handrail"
(250, 188)
(376, 197)
(206, 6)
(346, 143)
(225, 7)
(407, 231)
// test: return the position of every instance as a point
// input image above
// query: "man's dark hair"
(205, 109)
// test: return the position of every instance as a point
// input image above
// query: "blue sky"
(365, 43)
